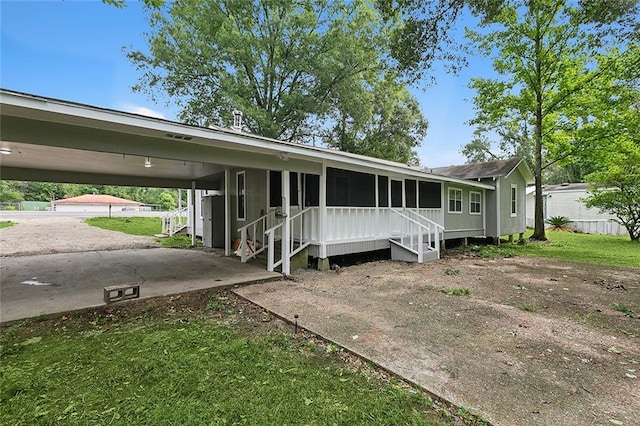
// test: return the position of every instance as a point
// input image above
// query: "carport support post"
(227, 214)
(323, 261)
(286, 228)
(193, 213)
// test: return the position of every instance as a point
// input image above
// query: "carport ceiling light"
(147, 162)
(5, 151)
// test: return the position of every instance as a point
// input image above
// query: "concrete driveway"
(53, 263)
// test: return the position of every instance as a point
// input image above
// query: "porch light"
(5, 151)
(147, 162)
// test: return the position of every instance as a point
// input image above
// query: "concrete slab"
(31, 286)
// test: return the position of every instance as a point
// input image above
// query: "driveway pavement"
(44, 284)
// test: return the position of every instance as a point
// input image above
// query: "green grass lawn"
(6, 224)
(601, 249)
(193, 368)
(148, 226)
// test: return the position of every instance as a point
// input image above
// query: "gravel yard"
(50, 235)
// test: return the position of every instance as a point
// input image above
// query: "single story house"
(285, 199)
(95, 203)
(566, 200)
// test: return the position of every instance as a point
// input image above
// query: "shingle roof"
(488, 169)
(97, 199)
(565, 187)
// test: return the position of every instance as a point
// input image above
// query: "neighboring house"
(565, 200)
(95, 204)
(506, 205)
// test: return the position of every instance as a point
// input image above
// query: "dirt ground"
(536, 341)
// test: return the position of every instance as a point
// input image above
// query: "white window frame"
(241, 193)
(472, 202)
(513, 200)
(449, 199)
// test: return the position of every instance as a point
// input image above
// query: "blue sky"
(73, 50)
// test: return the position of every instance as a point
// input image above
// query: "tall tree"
(542, 52)
(289, 65)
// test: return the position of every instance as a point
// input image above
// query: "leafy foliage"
(542, 51)
(619, 194)
(47, 191)
(302, 71)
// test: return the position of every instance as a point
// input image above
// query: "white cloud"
(136, 109)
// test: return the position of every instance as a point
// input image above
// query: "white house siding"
(94, 208)
(566, 202)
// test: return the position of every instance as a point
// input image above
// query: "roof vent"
(237, 120)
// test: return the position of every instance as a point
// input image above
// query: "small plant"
(331, 349)
(559, 223)
(451, 271)
(526, 307)
(6, 224)
(622, 308)
(455, 291)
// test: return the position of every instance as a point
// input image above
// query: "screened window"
(410, 187)
(475, 202)
(429, 195)
(455, 200)
(311, 190)
(514, 200)
(383, 191)
(396, 193)
(350, 189)
(275, 189)
(240, 190)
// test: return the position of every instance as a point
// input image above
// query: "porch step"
(402, 253)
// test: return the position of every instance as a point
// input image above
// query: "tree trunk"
(538, 232)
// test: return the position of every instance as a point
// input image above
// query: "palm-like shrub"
(559, 223)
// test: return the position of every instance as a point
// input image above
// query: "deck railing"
(251, 236)
(174, 221)
(301, 227)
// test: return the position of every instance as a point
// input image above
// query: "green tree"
(167, 201)
(9, 193)
(542, 52)
(617, 191)
(291, 66)
(384, 122)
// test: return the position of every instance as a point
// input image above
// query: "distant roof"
(97, 199)
(565, 187)
(489, 169)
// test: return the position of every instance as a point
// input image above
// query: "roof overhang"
(59, 141)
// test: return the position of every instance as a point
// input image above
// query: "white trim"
(479, 202)
(449, 189)
(513, 202)
(242, 218)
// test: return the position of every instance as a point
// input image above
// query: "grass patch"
(6, 224)
(526, 307)
(147, 226)
(173, 365)
(622, 308)
(451, 291)
(451, 271)
(599, 249)
(175, 241)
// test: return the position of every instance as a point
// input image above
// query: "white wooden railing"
(251, 236)
(301, 227)
(414, 229)
(174, 221)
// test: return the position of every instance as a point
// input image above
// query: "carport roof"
(55, 140)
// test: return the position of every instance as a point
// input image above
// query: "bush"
(559, 223)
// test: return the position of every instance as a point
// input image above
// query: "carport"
(51, 140)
